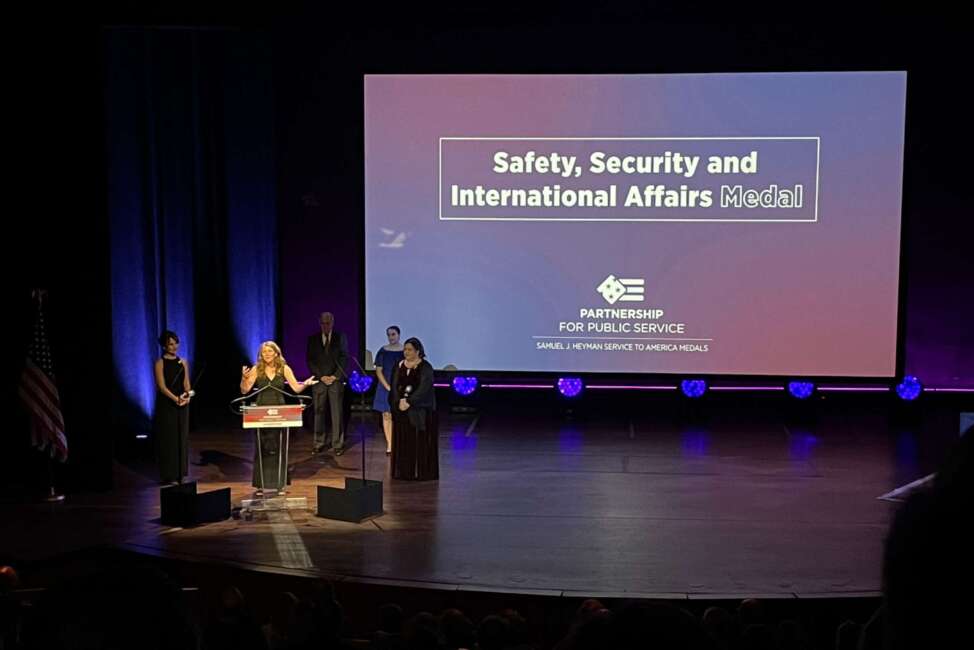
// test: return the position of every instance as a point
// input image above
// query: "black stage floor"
(597, 504)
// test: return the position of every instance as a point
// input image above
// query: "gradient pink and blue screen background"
(816, 299)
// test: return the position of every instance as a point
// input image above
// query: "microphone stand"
(348, 381)
(362, 435)
(359, 499)
(187, 394)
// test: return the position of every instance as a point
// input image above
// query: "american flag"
(38, 391)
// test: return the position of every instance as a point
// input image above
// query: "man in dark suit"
(327, 356)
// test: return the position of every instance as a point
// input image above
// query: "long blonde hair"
(278, 362)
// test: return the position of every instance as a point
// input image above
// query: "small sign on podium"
(280, 416)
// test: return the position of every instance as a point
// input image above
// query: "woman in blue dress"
(386, 361)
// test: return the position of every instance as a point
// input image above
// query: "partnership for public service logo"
(622, 289)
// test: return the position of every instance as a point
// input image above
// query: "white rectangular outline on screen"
(818, 147)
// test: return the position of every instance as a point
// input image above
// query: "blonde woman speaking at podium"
(268, 376)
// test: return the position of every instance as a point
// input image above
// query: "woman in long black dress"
(171, 418)
(270, 372)
(416, 454)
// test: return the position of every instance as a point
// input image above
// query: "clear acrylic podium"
(281, 417)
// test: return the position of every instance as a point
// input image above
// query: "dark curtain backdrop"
(191, 207)
(57, 239)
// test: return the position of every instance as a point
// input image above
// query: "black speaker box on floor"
(182, 506)
(359, 500)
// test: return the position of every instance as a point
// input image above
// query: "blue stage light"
(359, 383)
(570, 386)
(801, 389)
(909, 389)
(464, 385)
(693, 387)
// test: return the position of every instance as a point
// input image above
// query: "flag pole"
(39, 393)
(53, 496)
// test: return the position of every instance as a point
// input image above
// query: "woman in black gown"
(270, 372)
(416, 454)
(171, 417)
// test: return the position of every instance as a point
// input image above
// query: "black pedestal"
(357, 501)
(182, 506)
